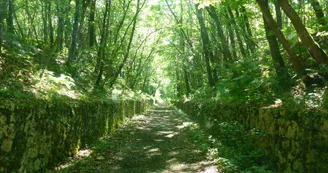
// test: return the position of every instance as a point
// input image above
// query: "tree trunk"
(208, 54)
(127, 53)
(3, 14)
(297, 65)
(277, 60)
(72, 50)
(226, 52)
(102, 44)
(315, 51)
(10, 17)
(318, 12)
(61, 24)
(51, 29)
(232, 40)
(278, 14)
(186, 81)
(248, 35)
(92, 33)
(240, 41)
(44, 10)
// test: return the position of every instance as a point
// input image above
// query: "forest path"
(154, 142)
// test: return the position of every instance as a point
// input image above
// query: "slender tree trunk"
(127, 53)
(82, 39)
(61, 24)
(315, 51)
(208, 54)
(296, 63)
(3, 14)
(278, 14)
(277, 60)
(44, 10)
(318, 12)
(140, 68)
(19, 26)
(10, 17)
(226, 52)
(92, 32)
(232, 41)
(251, 44)
(51, 29)
(186, 81)
(72, 50)
(103, 40)
(240, 41)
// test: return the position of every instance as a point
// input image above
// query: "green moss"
(325, 127)
(282, 160)
(285, 145)
(297, 166)
(37, 165)
(7, 145)
(292, 130)
(33, 152)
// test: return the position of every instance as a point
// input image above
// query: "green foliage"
(231, 145)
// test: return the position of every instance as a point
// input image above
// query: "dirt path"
(153, 142)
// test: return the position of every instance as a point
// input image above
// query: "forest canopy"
(232, 51)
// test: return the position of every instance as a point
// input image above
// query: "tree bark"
(127, 53)
(240, 42)
(226, 52)
(3, 14)
(232, 40)
(248, 35)
(92, 33)
(61, 24)
(315, 51)
(296, 63)
(44, 12)
(208, 54)
(51, 29)
(72, 50)
(10, 17)
(101, 50)
(278, 14)
(318, 12)
(277, 60)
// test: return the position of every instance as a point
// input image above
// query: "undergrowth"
(232, 148)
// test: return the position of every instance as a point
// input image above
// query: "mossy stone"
(6, 145)
(37, 164)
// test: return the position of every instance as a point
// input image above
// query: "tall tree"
(213, 13)
(3, 14)
(92, 33)
(315, 51)
(297, 65)
(10, 17)
(73, 47)
(208, 54)
(318, 12)
(127, 53)
(102, 44)
(277, 60)
(240, 41)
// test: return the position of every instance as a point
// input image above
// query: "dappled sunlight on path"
(153, 142)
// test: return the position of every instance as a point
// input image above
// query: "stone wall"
(296, 139)
(36, 134)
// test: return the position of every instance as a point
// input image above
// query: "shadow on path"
(153, 142)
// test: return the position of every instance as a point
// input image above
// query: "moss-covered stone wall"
(296, 139)
(36, 134)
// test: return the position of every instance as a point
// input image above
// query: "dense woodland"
(241, 51)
